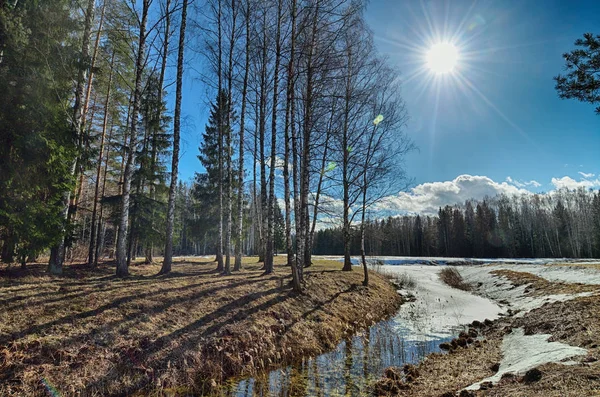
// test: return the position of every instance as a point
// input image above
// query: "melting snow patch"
(523, 352)
(564, 274)
(502, 290)
(438, 309)
(526, 304)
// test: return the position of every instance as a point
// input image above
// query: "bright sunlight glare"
(442, 58)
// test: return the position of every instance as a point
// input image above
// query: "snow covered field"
(433, 261)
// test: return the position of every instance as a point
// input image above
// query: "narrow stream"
(344, 371)
(415, 331)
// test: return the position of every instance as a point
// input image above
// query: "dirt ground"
(575, 322)
(89, 333)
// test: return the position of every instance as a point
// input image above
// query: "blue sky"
(515, 125)
(498, 116)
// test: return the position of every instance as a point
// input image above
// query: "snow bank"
(424, 260)
(523, 352)
(438, 309)
(500, 289)
(564, 274)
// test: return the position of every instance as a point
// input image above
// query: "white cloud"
(327, 204)
(570, 183)
(586, 176)
(523, 184)
(327, 222)
(534, 183)
(427, 198)
(278, 163)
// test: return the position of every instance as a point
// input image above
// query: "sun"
(442, 58)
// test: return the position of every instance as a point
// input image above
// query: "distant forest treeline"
(559, 224)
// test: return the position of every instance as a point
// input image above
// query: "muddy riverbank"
(544, 343)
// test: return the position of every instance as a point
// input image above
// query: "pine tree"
(583, 74)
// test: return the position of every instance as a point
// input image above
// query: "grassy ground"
(575, 322)
(89, 333)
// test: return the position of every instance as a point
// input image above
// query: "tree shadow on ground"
(62, 287)
(155, 348)
(126, 299)
(238, 310)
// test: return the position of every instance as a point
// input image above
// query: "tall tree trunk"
(257, 222)
(362, 245)
(238, 252)
(92, 247)
(298, 264)
(229, 159)
(220, 265)
(8, 247)
(126, 139)
(168, 259)
(313, 223)
(286, 172)
(85, 109)
(57, 252)
(83, 143)
(161, 81)
(262, 131)
(271, 221)
(122, 268)
(345, 164)
(99, 240)
(306, 145)
(90, 79)
(365, 186)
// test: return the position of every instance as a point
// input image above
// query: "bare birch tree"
(168, 258)
(121, 249)
(240, 221)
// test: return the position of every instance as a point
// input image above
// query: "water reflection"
(345, 371)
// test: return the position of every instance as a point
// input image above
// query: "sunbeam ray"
(467, 82)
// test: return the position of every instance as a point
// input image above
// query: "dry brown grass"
(442, 373)
(451, 276)
(89, 333)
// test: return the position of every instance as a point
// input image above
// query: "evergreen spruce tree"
(37, 62)
(206, 184)
(148, 208)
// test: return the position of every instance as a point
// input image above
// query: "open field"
(89, 333)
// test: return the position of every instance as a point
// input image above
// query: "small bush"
(401, 281)
(378, 266)
(452, 277)
(405, 281)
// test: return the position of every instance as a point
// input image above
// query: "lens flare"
(52, 391)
